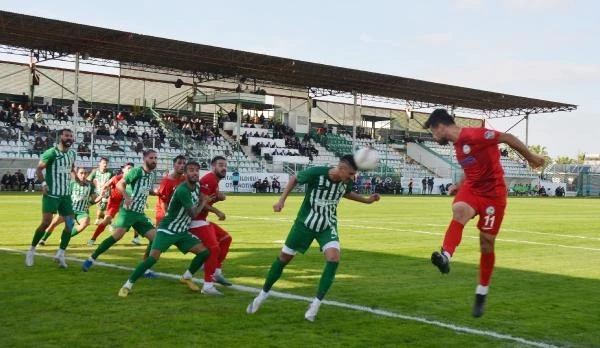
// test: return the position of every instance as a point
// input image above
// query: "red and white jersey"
(115, 195)
(209, 185)
(478, 154)
(165, 192)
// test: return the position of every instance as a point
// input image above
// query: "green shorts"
(127, 219)
(300, 237)
(183, 241)
(60, 204)
(81, 215)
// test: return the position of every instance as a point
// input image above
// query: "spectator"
(265, 186)
(30, 179)
(235, 178)
(145, 135)
(19, 180)
(114, 147)
(131, 133)
(119, 134)
(7, 182)
(410, 186)
(275, 185)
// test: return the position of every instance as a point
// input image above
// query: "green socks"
(36, 237)
(198, 261)
(65, 238)
(327, 278)
(141, 268)
(274, 274)
(105, 245)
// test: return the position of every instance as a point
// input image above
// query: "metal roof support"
(75, 108)
(527, 129)
(355, 114)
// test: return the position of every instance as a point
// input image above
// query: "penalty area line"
(364, 309)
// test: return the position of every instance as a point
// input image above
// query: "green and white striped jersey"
(99, 179)
(80, 195)
(58, 171)
(139, 184)
(319, 208)
(177, 220)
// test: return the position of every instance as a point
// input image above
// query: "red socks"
(99, 230)
(453, 236)
(486, 267)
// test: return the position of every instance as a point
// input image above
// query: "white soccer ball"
(366, 158)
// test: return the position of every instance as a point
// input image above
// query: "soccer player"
(99, 177)
(59, 163)
(482, 192)
(135, 188)
(187, 202)
(216, 239)
(114, 202)
(167, 187)
(82, 192)
(316, 219)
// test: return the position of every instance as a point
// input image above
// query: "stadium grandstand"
(270, 116)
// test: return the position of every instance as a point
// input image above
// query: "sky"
(546, 49)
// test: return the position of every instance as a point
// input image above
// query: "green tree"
(541, 150)
(564, 160)
(580, 158)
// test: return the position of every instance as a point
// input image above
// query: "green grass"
(545, 287)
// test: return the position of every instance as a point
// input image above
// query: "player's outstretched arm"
(277, 207)
(353, 196)
(534, 160)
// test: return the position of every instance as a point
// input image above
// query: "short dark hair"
(179, 157)
(148, 151)
(217, 158)
(130, 164)
(437, 117)
(104, 159)
(349, 160)
(191, 164)
(64, 130)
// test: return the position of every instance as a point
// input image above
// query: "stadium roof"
(60, 37)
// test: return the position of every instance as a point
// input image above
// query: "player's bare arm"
(216, 211)
(534, 160)
(121, 187)
(202, 204)
(40, 176)
(353, 196)
(277, 207)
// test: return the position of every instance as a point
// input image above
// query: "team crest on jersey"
(490, 210)
(466, 149)
(489, 134)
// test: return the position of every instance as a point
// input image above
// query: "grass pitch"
(544, 290)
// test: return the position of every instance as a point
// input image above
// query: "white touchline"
(517, 241)
(380, 312)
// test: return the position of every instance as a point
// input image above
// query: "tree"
(580, 158)
(564, 160)
(541, 150)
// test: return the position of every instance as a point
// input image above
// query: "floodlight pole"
(354, 120)
(76, 90)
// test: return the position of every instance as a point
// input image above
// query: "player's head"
(150, 158)
(126, 167)
(179, 164)
(219, 166)
(103, 164)
(81, 173)
(437, 123)
(347, 168)
(192, 172)
(65, 137)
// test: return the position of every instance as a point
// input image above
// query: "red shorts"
(210, 234)
(489, 209)
(112, 208)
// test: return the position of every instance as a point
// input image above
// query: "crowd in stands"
(12, 182)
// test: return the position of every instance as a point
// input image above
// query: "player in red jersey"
(168, 185)
(114, 202)
(482, 191)
(212, 235)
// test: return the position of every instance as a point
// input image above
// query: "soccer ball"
(366, 158)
